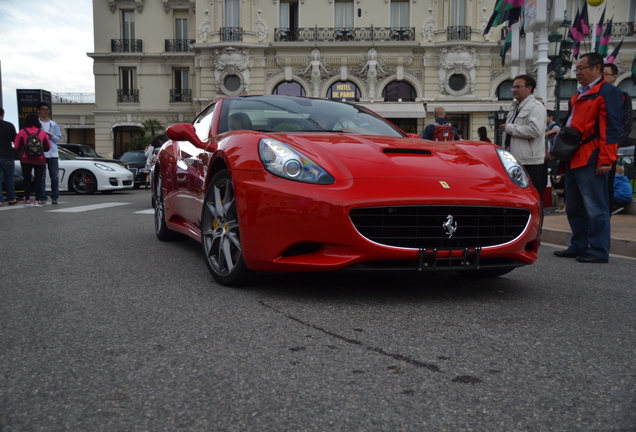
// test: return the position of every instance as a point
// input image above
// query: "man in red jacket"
(595, 111)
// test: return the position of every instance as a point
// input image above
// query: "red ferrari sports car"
(291, 184)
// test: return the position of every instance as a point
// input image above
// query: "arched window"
(504, 91)
(398, 91)
(289, 89)
(344, 90)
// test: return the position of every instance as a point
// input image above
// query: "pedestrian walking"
(440, 130)
(51, 156)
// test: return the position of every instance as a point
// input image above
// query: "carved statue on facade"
(205, 28)
(373, 68)
(314, 70)
(429, 26)
(460, 60)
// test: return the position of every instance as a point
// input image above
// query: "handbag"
(567, 142)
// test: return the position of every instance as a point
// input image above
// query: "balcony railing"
(180, 95)
(361, 34)
(458, 32)
(178, 45)
(126, 45)
(73, 97)
(231, 34)
(623, 29)
(127, 95)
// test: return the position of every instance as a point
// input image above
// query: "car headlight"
(104, 167)
(284, 161)
(515, 170)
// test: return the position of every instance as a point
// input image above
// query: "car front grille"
(428, 227)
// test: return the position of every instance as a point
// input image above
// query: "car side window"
(203, 123)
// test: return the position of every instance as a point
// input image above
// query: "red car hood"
(359, 156)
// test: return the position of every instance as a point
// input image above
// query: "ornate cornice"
(126, 4)
(179, 4)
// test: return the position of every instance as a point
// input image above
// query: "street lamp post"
(560, 62)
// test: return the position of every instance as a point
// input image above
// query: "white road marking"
(149, 211)
(87, 208)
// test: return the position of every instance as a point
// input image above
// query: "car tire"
(486, 273)
(161, 227)
(82, 182)
(220, 238)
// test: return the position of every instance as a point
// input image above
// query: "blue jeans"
(7, 167)
(53, 165)
(587, 206)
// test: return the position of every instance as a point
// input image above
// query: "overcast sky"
(43, 45)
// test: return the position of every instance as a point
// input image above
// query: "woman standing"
(148, 152)
(32, 160)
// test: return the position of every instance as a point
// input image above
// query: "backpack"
(443, 133)
(33, 145)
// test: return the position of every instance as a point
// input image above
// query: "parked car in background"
(136, 161)
(83, 176)
(86, 151)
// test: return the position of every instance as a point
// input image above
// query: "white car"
(86, 176)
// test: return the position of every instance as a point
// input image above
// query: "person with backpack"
(51, 157)
(610, 73)
(441, 130)
(525, 131)
(31, 143)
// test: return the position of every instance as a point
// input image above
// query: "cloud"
(43, 46)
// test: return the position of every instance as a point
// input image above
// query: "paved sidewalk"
(556, 230)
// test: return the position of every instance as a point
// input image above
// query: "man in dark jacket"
(440, 120)
(595, 112)
(610, 72)
(7, 163)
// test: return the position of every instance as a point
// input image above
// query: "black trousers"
(539, 177)
(26, 172)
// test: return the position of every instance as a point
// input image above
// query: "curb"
(562, 238)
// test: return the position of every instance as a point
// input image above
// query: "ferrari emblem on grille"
(449, 226)
(444, 185)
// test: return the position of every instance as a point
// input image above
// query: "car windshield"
(294, 114)
(133, 157)
(89, 152)
(66, 154)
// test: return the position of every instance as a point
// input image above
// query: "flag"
(605, 39)
(505, 47)
(634, 71)
(505, 10)
(599, 27)
(614, 54)
(584, 21)
(574, 30)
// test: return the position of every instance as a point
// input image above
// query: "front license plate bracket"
(429, 259)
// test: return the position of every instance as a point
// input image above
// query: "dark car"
(136, 161)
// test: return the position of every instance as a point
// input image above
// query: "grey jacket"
(527, 133)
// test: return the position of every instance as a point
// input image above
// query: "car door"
(191, 169)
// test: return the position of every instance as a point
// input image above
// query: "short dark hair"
(1, 111)
(482, 131)
(612, 66)
(530, 82)
(32, 120)
(593, 59)
(549, 113)
(43, 104)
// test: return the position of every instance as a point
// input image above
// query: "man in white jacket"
(525, 129)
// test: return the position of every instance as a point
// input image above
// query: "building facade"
(167, 59)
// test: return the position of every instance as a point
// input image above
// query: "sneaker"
(14, 202)
(54, 202)
(27, 202)
(37, 204)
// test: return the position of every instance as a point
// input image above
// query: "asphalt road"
(104, 328)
